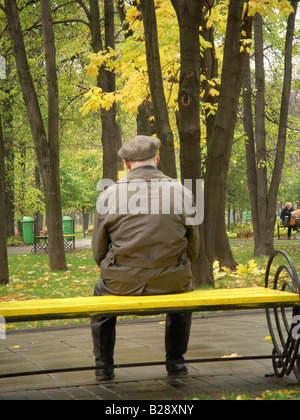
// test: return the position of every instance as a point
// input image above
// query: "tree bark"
(47, 150)
(284, 111)
(53, 204)
(160, 110)
(209, 69)
(260, 138)
(7, 128)
(4, 275)
(189, 16)
(220, 143)
(250, 151)
(263, 199)
(143, 123)
(106, 81)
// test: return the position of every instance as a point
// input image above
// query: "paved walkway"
(26, 249)
(212, 336)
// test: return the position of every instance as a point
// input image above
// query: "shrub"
(242, 231)
(15, 241)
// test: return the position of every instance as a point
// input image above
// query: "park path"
(213, 335)
(26, 249)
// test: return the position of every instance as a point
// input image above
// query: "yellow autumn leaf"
(213, 92)
(251, 266)
(229, 355)
(132, 14)
(281, 7)
(92, 70)
(242, 269)
(216, 266)
(268, 338)
(226, 270)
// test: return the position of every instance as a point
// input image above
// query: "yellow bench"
(201, 300)
(286, 348)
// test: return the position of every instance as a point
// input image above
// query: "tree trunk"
(222, 250)
(21, 197)
(53, 209)
(4, 275)
(106, 81)
(250, 152)
(260, 138)
(188, 119)
(7, 122)
(160, 110)
(144, 125)
(38, 216)
(85, 221)
(220, 143)
(209, 69)
(284, 111)
(264, 201)
(47, 149)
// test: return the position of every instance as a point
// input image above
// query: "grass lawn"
(31, 278)
(251, 271)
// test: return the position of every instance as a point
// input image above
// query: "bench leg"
(283, 330)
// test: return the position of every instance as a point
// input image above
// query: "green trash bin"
(68, 225)
(28, 230)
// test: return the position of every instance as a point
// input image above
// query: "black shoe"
(177, 369)
(104, 374)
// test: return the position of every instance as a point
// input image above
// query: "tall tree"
(190, 16)
(106, 81)
(7, 122)
(219, 146)
(210, 83)
(47, 147)
(263, 197)
(160, 110)
(4, 275)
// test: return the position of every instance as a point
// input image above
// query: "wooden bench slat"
(201, 300)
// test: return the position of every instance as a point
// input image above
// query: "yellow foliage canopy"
(129, 62)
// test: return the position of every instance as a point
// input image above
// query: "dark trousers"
(177, 334)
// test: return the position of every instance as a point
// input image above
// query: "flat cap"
(140, 148)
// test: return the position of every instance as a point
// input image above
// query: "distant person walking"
(286, 217)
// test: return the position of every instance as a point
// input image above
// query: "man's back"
(141, 239)
(144, 245)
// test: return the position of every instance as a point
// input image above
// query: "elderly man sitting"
(143, 250)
